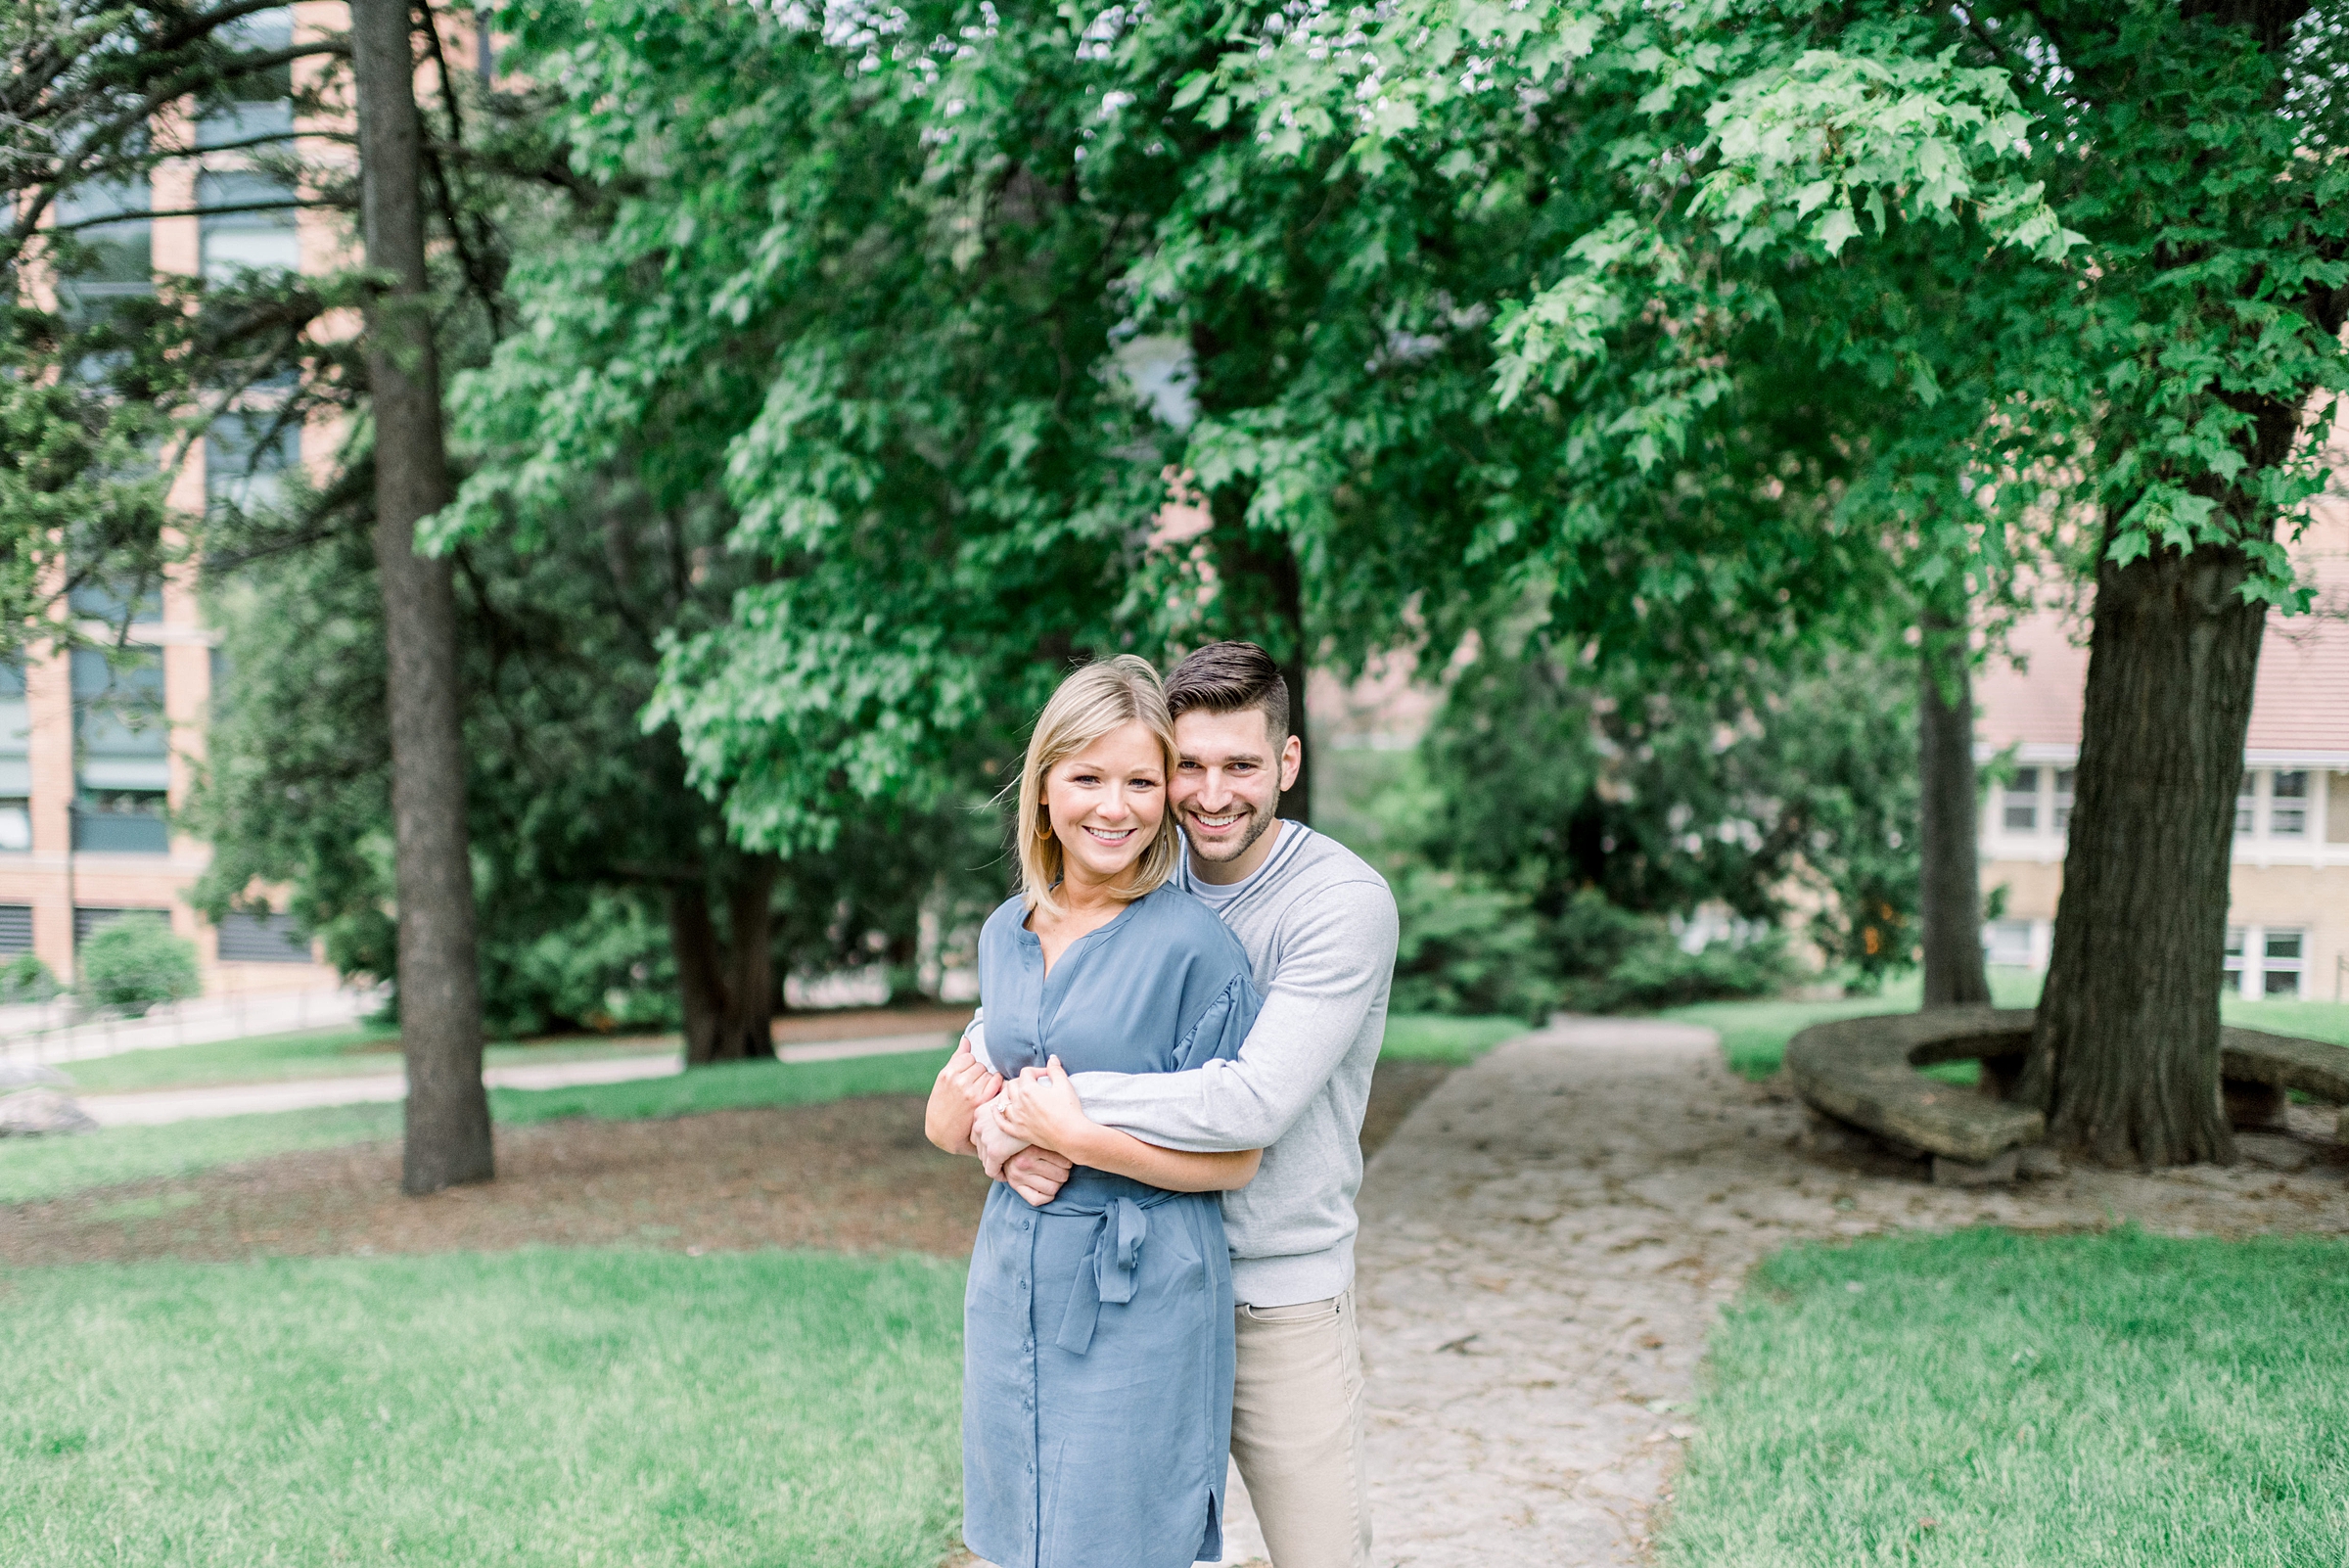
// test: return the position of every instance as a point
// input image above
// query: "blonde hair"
(1092, 703)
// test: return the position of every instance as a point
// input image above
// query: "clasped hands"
(1018, 1124)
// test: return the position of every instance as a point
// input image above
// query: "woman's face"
(1107, 802)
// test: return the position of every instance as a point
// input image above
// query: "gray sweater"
(1318, 925)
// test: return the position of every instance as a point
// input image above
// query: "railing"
(45, 1034)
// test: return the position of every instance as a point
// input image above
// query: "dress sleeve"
(1221, 1026)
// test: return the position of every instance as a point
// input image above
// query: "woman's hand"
(1041, 1107)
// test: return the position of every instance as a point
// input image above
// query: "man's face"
(1229, 775)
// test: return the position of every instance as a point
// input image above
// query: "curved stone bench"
(2259, 1067)
(1864, 1071)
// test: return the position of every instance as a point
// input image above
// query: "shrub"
(1468, 946)
(1659, 973)
(135, 963)
(25, 979)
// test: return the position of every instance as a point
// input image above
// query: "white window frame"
(2004, 940)
(2298, 804)
(2011, 799)
(2271, 965)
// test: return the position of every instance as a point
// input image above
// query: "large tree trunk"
(1266, 593)
(447, 1123)
(728, 987)
(2125, 1054)
(1949, 890)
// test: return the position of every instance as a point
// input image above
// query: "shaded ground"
(851, 1175)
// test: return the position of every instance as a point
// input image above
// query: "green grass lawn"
(315, 1053)
(1754, 1034)
(581, 1407)
(2310, 1020)
(34, 1168)
(1437, 1037)
(1992, 1399)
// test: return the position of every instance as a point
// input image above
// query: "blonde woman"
(1098, 1350)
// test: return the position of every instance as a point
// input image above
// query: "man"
(1318, 925)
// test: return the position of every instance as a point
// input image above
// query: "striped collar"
(1285, 850)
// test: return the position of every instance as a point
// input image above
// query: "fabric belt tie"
(1119, 1231)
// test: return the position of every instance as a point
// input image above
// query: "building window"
(2008, 941)
(2022, 801)
(2236, 936)
(263, 237)
(16, 762)
(2246, 804)
(88, 922)
(115, 600)
(105, 271)
(2063, 799)
(2281, 963)
(251, 939)
(122, 757)
(16, 928)
(258, 102)
(106, 262)
(2288, 805)
(245, 454)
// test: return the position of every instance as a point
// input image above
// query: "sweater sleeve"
(1334, 963)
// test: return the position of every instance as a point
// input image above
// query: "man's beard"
(1260, 823)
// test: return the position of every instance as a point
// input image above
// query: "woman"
(1097, 1329)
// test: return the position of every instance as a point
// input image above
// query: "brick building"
(94, 753)
(2289, 922)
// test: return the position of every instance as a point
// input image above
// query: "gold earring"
(1043, 829)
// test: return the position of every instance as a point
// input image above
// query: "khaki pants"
(1297, 1432)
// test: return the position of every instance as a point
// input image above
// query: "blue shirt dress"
(1098, 1334)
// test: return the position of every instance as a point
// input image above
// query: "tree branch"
(196, 211)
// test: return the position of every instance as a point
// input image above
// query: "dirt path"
(855, 1175)
(1546, 1243)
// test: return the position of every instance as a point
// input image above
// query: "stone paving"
(1548, 1238)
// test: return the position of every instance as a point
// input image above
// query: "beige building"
(2289, 922)
(96, 755)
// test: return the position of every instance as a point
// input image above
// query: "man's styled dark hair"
(1230, 677)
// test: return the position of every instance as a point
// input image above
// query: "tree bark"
(728, 987)
(447, 1120)
(1264, 593)
(1288, 605)
(2125, 1053)
(1949, 890)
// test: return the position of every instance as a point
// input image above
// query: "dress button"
(1027, 1344)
